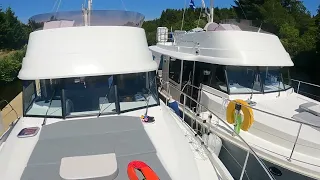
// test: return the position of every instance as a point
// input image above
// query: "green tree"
(13, 33)
(248, 9)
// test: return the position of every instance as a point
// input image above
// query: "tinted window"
(243, 79)
(272, 80)
(89, 95)
(42, 98)
(214, 76)
(137, 90)
(175, 70)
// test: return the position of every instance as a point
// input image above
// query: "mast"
(89, 11)
(211, 11)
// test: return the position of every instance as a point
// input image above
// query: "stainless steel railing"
(289, 157)
(309, 86)
(209, 126)
(4, 136)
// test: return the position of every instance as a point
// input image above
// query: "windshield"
(76, 18)
(272, 80)
(243, 79)
(37, 96)
(84, 96)
(257, 79)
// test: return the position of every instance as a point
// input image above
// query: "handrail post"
(12, 109)
(295, 142)
(184, 106)
(298, 87)
(168, 93)
(244, 165)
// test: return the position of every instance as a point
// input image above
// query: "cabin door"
(175, 77)
(202, 75)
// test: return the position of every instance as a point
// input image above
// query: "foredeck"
(123, 135)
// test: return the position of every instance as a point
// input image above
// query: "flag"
(191, 4)
(203, 4)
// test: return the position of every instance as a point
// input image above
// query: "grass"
(4, 53)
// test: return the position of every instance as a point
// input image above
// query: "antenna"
(89, 11)
(184, 12)
(123, 5)
(242, 10)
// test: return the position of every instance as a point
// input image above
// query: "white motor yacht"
(206, 69)
(91, 108)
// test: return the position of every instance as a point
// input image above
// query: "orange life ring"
(146, 171)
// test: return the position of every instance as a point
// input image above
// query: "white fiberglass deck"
(180, 158)
(273, 137)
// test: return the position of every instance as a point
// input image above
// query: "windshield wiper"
(50, 102)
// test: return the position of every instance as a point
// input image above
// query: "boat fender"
(146, 171)
(246, 110)
(174, 106)
(213, 142)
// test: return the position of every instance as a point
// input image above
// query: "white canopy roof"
(86, 51)
(234, 48)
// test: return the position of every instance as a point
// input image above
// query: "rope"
(54, 5)
(58, 6)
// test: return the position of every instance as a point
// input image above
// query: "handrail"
(270, 113)
(306, 83)
(3, 100)
(210, 125)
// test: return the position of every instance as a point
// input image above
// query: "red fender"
(146, 171)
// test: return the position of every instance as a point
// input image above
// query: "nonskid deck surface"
(123, 135)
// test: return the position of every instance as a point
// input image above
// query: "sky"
(152, 9)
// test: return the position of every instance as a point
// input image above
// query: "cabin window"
(212, 75)
(243, 79)
(175, 70)
(272, 79)
(161, 62)
(286, 77)
(137, 90)
(187, 71)
(89, 95)
(42, 98)
(29, 93)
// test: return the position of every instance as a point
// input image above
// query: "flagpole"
(184, 11)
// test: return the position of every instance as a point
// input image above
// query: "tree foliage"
(13, 33)
(290, 20)
(13, 38)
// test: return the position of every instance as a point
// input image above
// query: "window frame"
(258, 71)
(148, 74)
(180, 69)
(25, 109)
